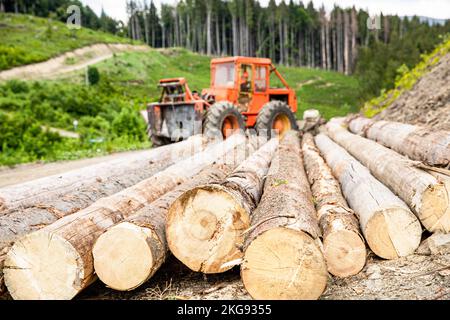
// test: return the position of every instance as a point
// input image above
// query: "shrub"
(93, 75)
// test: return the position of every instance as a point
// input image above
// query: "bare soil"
(416, 277)
(427, 103)
(79, 59)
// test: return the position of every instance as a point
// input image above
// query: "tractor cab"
(246, 82)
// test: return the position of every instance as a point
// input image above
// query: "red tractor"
(239, 97)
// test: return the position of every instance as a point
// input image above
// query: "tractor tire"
(275, 115)
(222, 119)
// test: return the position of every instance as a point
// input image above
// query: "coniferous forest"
(292, 33)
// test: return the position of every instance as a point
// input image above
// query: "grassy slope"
(137, 75)
(27, 39)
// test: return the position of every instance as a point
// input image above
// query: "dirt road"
(68, 62)
(28, 172)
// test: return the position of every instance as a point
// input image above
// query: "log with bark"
(205, 224)
(418, 143)
(344, 247)
(425, 194)
(44, 201)
(56, 262)
(129, 254)
(111, 176)
(389, 227)
(282, 255)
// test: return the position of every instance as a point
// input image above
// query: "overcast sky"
(439, 9)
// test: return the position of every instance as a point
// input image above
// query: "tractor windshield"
(225, 75)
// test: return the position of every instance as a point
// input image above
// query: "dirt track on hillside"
(68, 62)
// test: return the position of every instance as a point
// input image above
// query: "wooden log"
(282, 255)
(110, 176)
(55, 197)
(418, 143)
(344, 247)
(205, 224)
(56, 262)
(438, 243)
(389, 227)
(426, 195)
(128, 254)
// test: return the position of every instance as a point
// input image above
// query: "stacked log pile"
(287, 211)
(128, 254)
(56, 261)
(425, 194)
(418, 143)
(33, 205)
(388, 225)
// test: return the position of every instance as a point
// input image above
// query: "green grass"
(136, 75)
(26, 39)
(332, 93)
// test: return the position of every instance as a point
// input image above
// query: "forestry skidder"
(240, 96)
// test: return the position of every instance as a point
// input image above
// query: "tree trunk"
(386, 29)
(354, 49)
(418, 143)
(323, 43)
(425, 195)
(163, 36)
(98, 177)
(284, 234)
(205, 225)
(346, 43)
(335, 52)
(146, 29)
(188, 30)
(340, 49)
(224, 39)
(390, 228)
(343, 245)
(235, 35)
(280, 31)
(56, 262)
(141, 238)
(218, 49)
(208, 28)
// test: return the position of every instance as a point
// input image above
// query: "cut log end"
(345, 253)
(123, 259)
(393, 233)
(43, 266)
(435, 208)
(204, 228)
(284, 264)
